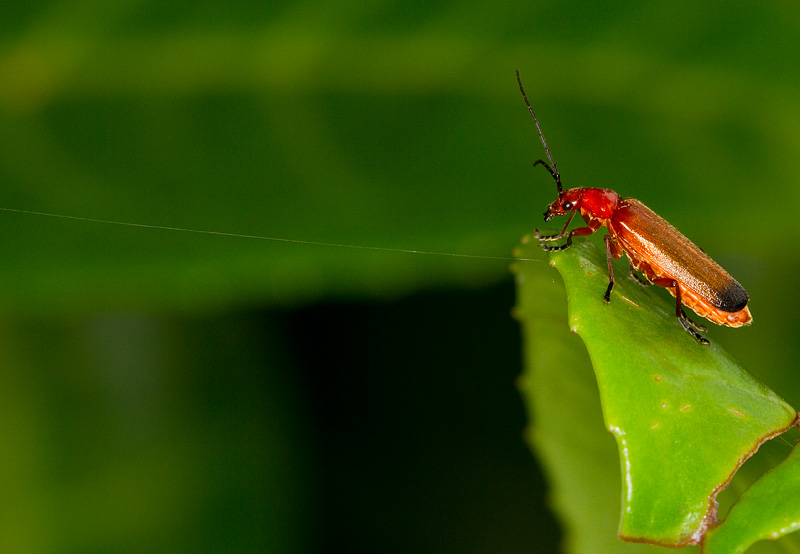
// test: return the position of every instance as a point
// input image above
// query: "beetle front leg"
(560, 235)
(690, 326)
(579, 232)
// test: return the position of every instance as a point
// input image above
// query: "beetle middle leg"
(613, 252)
(687, 323)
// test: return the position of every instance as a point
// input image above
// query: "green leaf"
(769, 509)
(685, 416)
(566, 433)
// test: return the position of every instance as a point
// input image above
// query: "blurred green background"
(165, 391)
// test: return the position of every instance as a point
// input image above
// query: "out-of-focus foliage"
(378, 124)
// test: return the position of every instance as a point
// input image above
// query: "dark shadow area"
(418, 426)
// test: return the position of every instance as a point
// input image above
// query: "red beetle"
(654, 247)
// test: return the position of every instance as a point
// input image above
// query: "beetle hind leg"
(690, 326)
(694, 324)
(641, 280)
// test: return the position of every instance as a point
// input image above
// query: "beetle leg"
(579, 232)
(697, 326)
(687, 323)
(641, 280)
(560, 235)
(612, 251)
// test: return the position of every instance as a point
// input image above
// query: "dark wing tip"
(733, 298)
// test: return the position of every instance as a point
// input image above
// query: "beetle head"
(568, 201)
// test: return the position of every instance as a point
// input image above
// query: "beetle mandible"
(660, 252)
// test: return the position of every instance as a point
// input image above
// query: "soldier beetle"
(655, 248)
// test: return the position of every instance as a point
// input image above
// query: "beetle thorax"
(597, 203)
(593, 204)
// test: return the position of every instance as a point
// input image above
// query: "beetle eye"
(567, 206)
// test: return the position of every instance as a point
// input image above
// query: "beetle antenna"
(552, 167)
